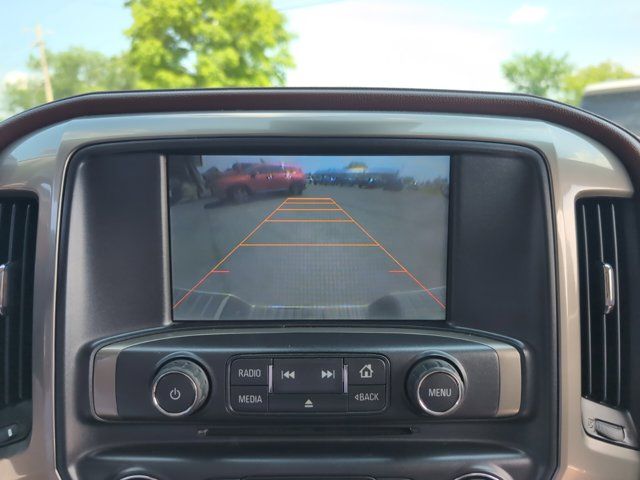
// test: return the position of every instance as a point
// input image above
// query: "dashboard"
(318, 284)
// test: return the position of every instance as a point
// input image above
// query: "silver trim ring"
(455, 378)
(177, 414)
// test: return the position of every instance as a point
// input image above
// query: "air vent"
(18, 217)
(602, 324)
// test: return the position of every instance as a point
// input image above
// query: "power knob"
(179, 388)
(435, 386)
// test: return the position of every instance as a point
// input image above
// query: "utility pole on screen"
(48, 89)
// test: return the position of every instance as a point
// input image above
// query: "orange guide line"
(310, 220)
(429, 292)
(309, 203)
(309, 198)
(338, 208)
(309, 209)
(309, 245)
(224, 259)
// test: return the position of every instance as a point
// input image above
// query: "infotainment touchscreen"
(308, 237)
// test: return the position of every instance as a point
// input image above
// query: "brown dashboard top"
(624, 144)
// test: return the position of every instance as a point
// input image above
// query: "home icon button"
(366, 371)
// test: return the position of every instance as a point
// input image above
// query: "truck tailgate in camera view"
(308, 237)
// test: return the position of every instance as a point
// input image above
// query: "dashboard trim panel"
(558, 143)
(578, 167)
(554, 143)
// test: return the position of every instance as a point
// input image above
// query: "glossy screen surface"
(308, 237)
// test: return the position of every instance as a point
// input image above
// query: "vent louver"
(18, 217)
(602, 326)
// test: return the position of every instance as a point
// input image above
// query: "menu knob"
(435, 386)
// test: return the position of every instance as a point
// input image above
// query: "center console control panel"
(241, 375)
(308, 384)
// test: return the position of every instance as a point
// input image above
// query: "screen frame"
(309, 154)
(93, 206)
(457, 314)
(322, 146)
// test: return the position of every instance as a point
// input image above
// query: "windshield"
(55, 49)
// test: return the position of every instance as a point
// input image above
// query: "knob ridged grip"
(435, 387)
(179, 388)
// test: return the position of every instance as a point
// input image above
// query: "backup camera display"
(308, 237)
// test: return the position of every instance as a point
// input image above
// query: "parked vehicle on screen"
(242, 181)
(384, 180)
